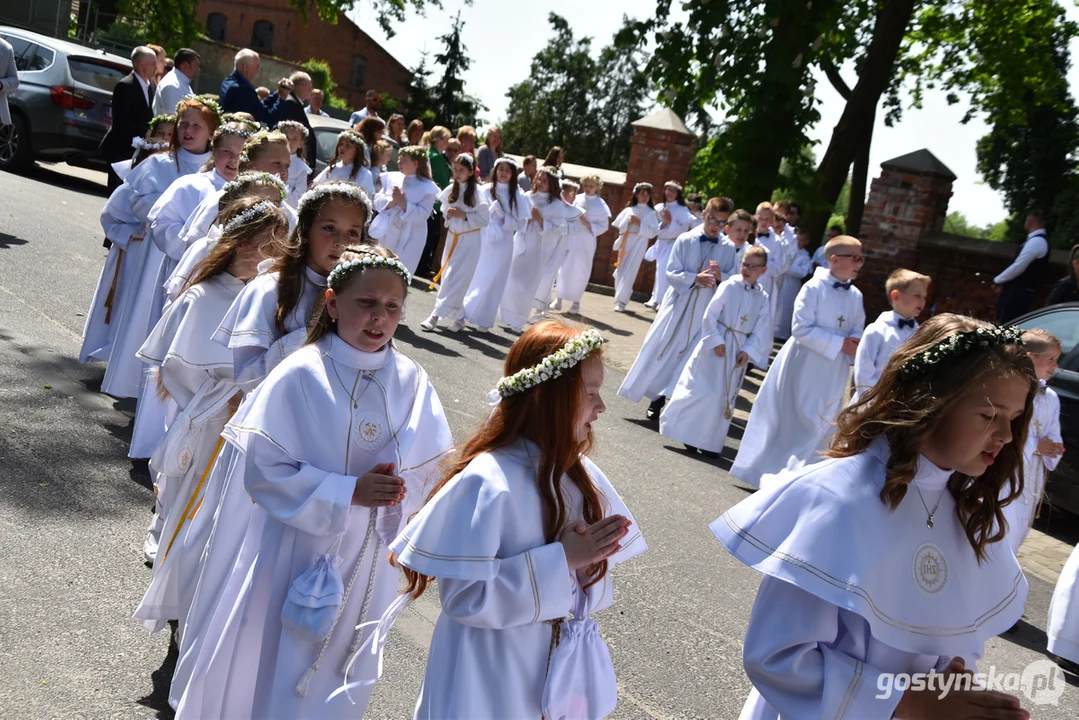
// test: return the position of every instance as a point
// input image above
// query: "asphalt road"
(73, 511)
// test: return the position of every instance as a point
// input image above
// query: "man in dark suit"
(132, 100)
(238, 93)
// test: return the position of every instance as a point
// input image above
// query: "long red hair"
(546, 415)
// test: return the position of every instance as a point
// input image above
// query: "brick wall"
(218, 61)
(297, 42)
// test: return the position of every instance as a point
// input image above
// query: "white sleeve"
(787, 656)
(679, 274)
(1032, 249)
(420, 210)
(866, 370)
(713, 334)
(1052, 431)
(759, 343)
(11, 80)
(805, 329)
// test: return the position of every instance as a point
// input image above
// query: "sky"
(502, 57)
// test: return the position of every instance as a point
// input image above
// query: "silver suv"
(63, 106)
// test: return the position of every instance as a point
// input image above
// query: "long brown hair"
(465, 160)
(293, 259)
(908, 411)
(224, 251)
(546, 415)
(323, 324)
(492, 190)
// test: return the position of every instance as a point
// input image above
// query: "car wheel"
(15, 152)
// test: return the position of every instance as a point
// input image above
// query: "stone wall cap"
(570, 170)
(664, 119)
(920, 162)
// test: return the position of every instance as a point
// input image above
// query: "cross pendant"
(841, 320)
(744, 318)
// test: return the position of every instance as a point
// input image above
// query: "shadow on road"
(44, 173)
(7, 241)
(158, 699)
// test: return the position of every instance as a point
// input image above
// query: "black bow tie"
(764, 234)
(713, 240)
(906, 323)
(841, 285)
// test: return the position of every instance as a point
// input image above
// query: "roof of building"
(664, 119)
(920, 161)
(607, 177)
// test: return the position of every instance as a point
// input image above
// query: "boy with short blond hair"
(792, 417)
(907, 291)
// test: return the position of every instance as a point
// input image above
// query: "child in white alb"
(577, 268)
(906, 291)
(636, 224)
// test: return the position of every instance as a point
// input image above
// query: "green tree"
(621, 91)
(322, 78)
(420, 103)
(452, 105)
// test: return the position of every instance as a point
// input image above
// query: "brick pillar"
(661, 149)
(908, 201)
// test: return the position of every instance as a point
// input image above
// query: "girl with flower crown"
(466, 212)
(299, 172)
(888, 557)
(266, 323)
(349, 163)
(675, 218)
(510, 210)
(576, 270)
(189, 149)
(637, 224)
(404, 204)
(549, 224)
(556, 251)
(196, 376)
(331, 480)
(522, 533)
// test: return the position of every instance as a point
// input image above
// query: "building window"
(215, 26)
(359, 71)
(262, 36)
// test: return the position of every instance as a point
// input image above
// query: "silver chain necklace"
(928, 512)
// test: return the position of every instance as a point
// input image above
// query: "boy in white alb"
(906, 293)
(805, 388)
(777, 254)
(800, 266)
(735, 331)
(699, 261)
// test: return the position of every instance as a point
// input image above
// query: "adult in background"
(238, 93)
(371, 102)
(291, 107)
(9, 79)
(176, 85)
(1067, 288)
(314, 103)
(437, 142)
(371, 130)
(491, 151)
(555, 157)
(1019, 282)
(415, 132)
(161, 59)
(395, 131)
(132, 110)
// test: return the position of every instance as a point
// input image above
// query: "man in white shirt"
(371, 102)
(314, 104)
(9, 79)
(1017, 285)
(176, 84)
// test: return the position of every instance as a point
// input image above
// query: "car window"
(96, 73)
(42, 59)
(327, 143)
(23, 49)
(1062, 323)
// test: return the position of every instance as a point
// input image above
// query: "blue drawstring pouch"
(314, 600)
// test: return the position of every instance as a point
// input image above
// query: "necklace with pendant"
(929, 513)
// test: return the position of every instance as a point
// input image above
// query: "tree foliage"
(453, 107)
(420, 102)
(322, 78)
(581, 103)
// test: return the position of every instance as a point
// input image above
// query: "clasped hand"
(379, 487)
(586, 544)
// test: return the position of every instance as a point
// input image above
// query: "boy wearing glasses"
(791, 420)
(907, 291)
(700, 259)
(735, 331)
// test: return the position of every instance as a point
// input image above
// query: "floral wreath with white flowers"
(149, 145)
(340, 189)
(416, 152)
(254, 212)
(227, 129)
(353, 137)
(238, 119)
(246, 179)
(960, 344)
(257, 138)
(552, 366)
(346, 268)
(208, 102)
(158, 119)
(284, 125)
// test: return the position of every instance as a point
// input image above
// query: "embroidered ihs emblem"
(183, 460)
(930, 569)
(371, 427)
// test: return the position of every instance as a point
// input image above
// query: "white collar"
(927, 475)
(1039, 231)
(355, 358)
(314, 276)
(144, 83)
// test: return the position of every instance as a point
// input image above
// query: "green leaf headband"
(416, 152)
(345, 268)
(960, 344)
(250, 178)
(157, 120)
(551, 367)
(212, 104)
(235, 118)
(340, 189)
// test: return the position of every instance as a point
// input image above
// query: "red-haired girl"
(329, 478)
(522, 533)
(887, 558)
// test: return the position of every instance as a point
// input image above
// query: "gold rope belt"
(449, 256)
(188, 512)
(621, 249)
(556, 637)
(112, 289)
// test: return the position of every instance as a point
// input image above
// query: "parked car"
(326, 130)
(63, 105)
(1063, 321)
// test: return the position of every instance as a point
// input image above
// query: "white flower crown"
(254, 212)
(149, 145)
(346, 268)
(226, 129)
(293, 124)
(353, 137)
(551, 367)
(208, 102)
(340, 189)
(251, 177)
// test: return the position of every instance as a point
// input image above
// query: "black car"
(1063, 321)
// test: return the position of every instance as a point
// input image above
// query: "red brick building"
(273, 27)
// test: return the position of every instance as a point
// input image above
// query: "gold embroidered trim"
(856, 679)
(535, 587)
(436, 556)
(860, 592)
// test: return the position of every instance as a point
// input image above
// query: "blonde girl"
(362, 439)
(576, 270)
(404, 204)
(298, 170)
(913, 490)
(467, 213)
